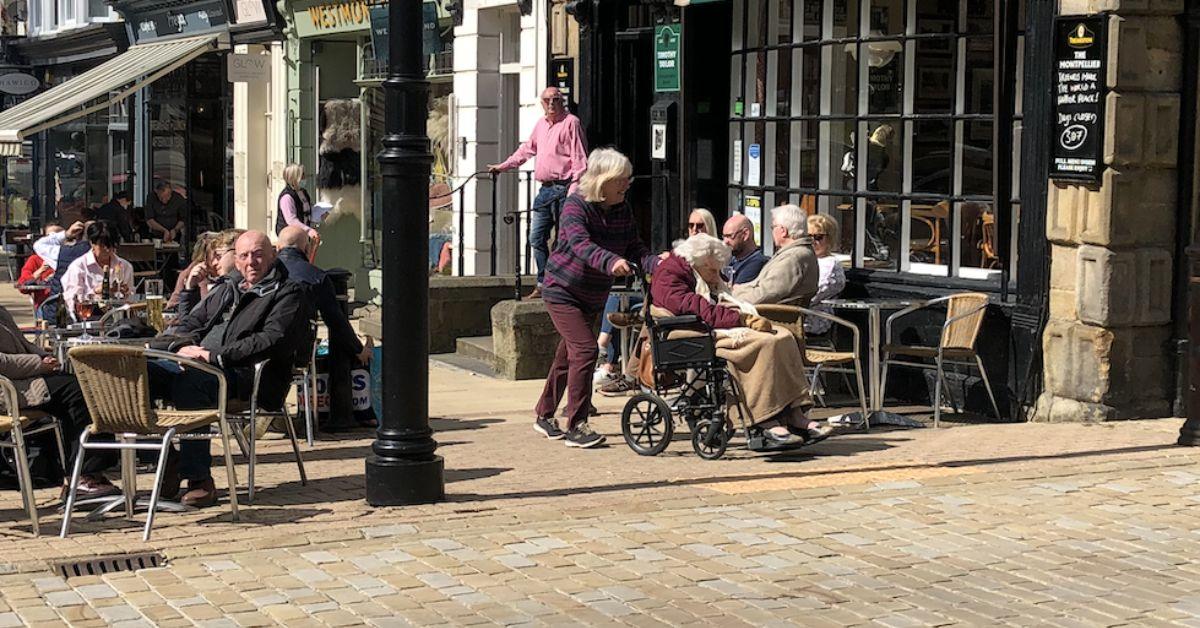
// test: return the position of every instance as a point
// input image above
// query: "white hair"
(700, 247)
(791, 218)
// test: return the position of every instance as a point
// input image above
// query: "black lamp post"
(402, 468)
(1189, 432)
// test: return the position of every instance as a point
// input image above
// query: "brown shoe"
(201, 494)
(533, 296)
(625, 319)
(170, 479)
(91, 486)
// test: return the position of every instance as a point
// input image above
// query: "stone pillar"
(1106, 345)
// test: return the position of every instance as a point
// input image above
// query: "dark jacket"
(673, 288)
(119, 217)
(264, 322)
(746, 269)
(342, 338)
(187, 299)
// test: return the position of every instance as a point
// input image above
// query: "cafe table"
(874, 309)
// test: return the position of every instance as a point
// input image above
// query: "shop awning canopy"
(96, 89)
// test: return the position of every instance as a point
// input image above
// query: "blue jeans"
(613, 353)
(186, 389)
(546, 206)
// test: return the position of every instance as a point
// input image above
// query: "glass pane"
(808, 135)
(978, 81)
(841, 209)
(760, 85)
(783, 154)
(977, 158)
(840, 153)
(772, 83)
(783, 21)
(885, 76)
(977, 242)
(933, 154)
(882, 247)
(884, 158)
(754, 19)
(18, 187)
(739, 17)
(783, 84)
(887, 18)
(929, 232)
(811, 20)
(843, 79)
(735, 156)
(979, 16)
(845, 19)
(810, 82)
(934, 76)
(936, 16)
(735, 82)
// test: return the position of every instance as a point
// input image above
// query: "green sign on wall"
(666, 58)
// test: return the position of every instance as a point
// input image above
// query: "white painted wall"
(259, 142)
(478, 111)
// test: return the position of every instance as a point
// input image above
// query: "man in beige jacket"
(790, 276)
(41, 384)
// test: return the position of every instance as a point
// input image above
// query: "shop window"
(881, 115)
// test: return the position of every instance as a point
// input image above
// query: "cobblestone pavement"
(972, 524)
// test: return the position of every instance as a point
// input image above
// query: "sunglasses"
(698, 226)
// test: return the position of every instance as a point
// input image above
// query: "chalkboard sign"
(1077, 150)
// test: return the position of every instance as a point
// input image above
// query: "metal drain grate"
(107, 564)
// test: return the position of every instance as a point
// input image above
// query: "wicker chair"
(791, 317)
(116, 387)
(251, 423)
(14, 425)
(956, 346)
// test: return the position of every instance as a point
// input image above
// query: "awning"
(96, 89)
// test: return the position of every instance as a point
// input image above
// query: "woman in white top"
(824, 233)
(85, 276)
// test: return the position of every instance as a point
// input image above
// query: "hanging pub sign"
(1080, 50)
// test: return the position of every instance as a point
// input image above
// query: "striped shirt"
(591, 239)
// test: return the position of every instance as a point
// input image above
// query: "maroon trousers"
(574, 361)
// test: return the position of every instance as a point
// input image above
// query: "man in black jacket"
(344, 346)
(253, 317)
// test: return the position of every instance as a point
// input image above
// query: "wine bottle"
(106, 290)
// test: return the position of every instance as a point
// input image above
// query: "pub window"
(879, 114)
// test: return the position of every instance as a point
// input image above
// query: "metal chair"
(116, 388)
(305, 376)
(791, 317)
(120, 313)
(14, 422)
(141, 256)
(956, 344)
(250, 419)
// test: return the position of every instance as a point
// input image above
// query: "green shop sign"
(666, 58)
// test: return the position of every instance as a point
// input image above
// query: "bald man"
(256, 316)
(344, 347)
(747, 260)
(559, 144)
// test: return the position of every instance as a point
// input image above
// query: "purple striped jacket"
(590, 240)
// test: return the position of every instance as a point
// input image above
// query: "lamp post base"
(1189, 434)
(398, 482)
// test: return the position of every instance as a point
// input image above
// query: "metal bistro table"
(874, 309)
(62, 340)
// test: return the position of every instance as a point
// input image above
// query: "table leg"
(873, 359)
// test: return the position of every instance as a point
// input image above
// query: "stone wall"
(1107, 354)
(459, 307)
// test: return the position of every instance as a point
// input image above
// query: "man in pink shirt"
(558, 143)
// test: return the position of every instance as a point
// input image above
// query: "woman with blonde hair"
(293, 207)
(832, 279)
(597, 241)
(702, 221)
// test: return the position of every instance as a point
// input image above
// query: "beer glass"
(154, 304)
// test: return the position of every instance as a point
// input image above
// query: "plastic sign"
(248, 68)
(18, 83)
(666, 58)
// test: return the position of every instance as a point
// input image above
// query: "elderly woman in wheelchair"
(702, 348)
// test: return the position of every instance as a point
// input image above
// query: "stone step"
(477, 348)
(465, 363)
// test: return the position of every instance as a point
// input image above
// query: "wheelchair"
(688, 373)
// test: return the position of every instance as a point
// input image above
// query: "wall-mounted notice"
(1080, 50)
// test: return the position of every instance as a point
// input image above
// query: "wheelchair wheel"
(646, 424)
(710, 440)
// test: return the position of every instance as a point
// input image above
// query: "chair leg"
(24, 478)
(60, 442)
(66, 522)
(937, 394)
(128, 478)
(164, 446)
(813, 384)
(862, 394)
(251, 441)
(988, 385)
(946, 387)
(230, 471)
(291, 431)
(309, 409)
(883, 378)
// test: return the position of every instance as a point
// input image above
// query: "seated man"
(344, 346)
(766, 363)
(255, 316)
(85, 278)
(747, 260)
(40, 384)
(790, 276)
(63, 247)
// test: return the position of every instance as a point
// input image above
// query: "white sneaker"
(601, 376)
